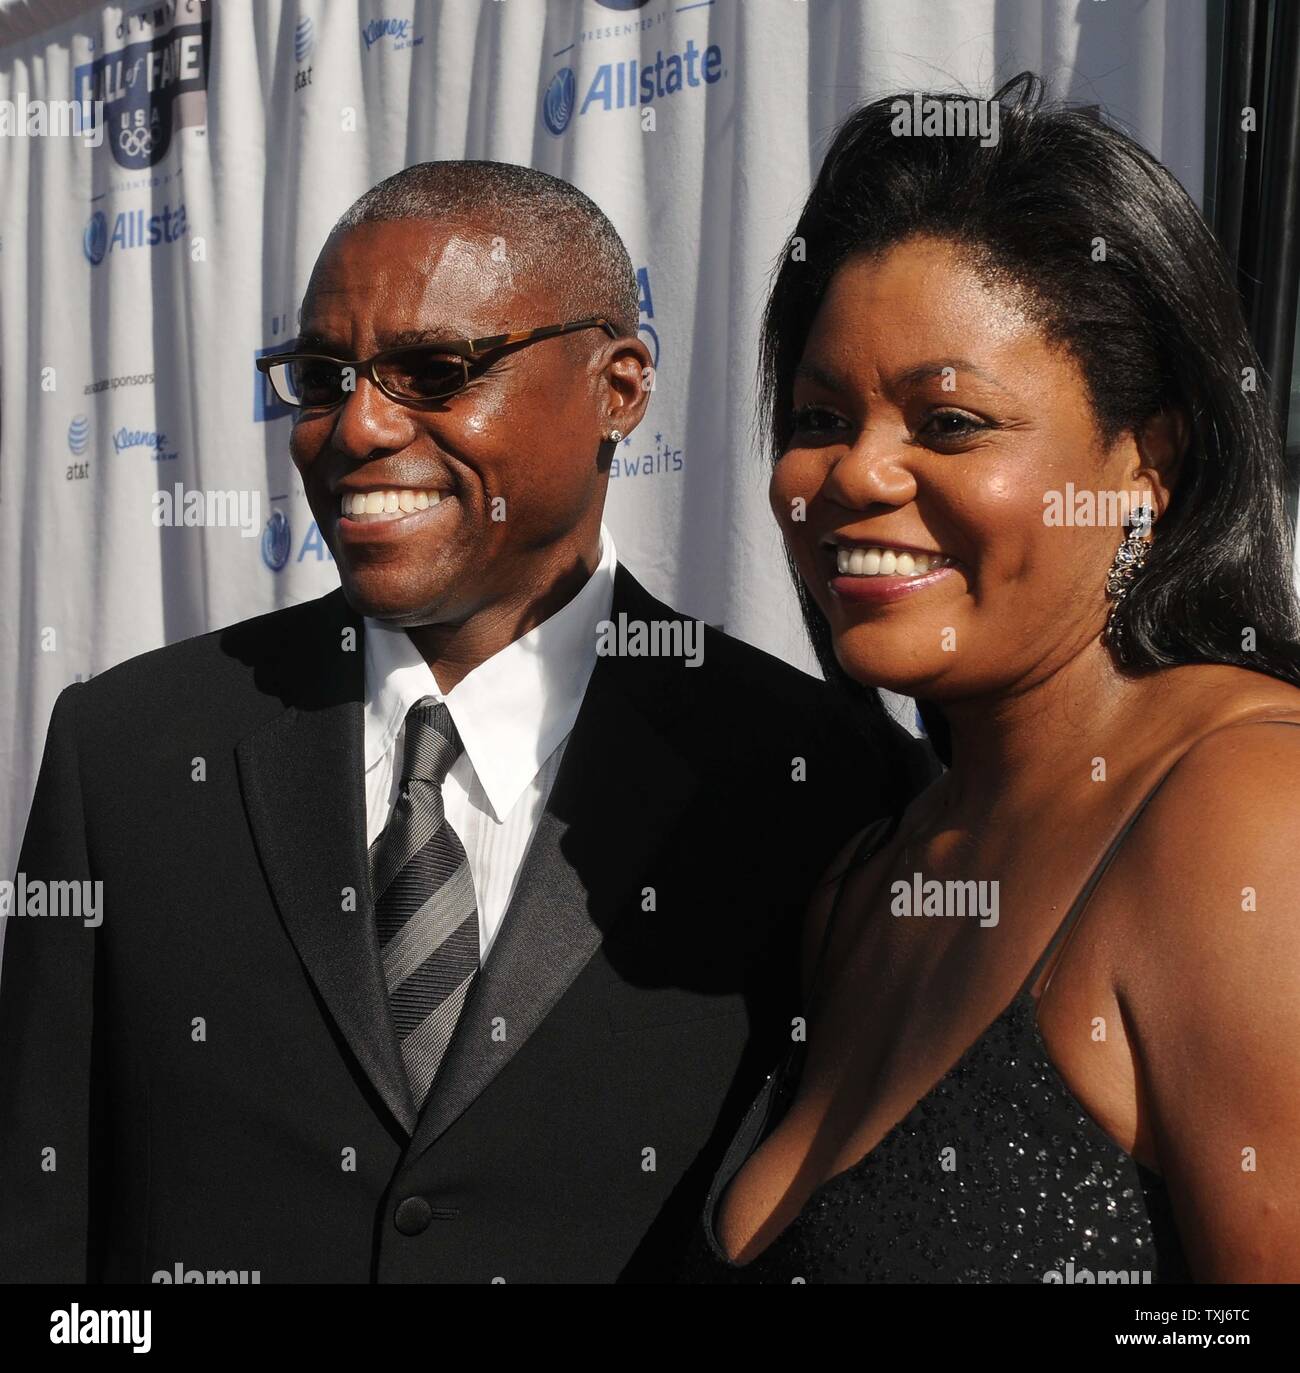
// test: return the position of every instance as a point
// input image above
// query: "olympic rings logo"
(135, 142)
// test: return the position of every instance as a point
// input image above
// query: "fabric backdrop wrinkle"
(267, 157)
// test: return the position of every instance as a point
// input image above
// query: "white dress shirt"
(514, 713)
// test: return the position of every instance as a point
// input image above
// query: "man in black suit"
(444, 929)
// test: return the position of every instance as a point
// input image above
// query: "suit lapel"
(620, 788)
(302, 781)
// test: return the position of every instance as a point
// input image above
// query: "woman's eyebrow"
(923, 371)
(919, 372)
(811, 371)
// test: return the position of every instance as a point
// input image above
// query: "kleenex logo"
(399, 30)
(152, 439)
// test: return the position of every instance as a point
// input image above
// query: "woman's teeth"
(388, 505)
(886, 562)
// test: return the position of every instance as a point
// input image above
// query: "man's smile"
(385, 513)
(386, 503)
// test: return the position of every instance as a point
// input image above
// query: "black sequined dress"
(997, 1175)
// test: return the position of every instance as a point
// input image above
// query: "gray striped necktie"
(425, 907)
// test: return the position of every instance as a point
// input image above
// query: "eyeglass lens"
(412, 374)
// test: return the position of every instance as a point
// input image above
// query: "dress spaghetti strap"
(878, 834)
(1085, 894)
(874, 838)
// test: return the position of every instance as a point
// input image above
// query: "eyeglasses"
(410, 373)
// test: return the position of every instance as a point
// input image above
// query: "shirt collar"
(514, 709)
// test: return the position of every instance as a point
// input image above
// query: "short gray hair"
(562, 235)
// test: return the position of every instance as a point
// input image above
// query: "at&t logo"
(78, 443)
(78, 435)
(304, 39)
(304, 42)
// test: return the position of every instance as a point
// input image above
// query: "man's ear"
(1161, 444)
(629, 376)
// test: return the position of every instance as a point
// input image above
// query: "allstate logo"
(78, 435)
(275, 541)
(559, 100)
(94, 241)
(304, 39)
(132, 229)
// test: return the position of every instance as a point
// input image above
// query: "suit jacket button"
(412, 1216)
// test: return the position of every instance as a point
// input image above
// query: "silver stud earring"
(615, 436)
(1129, 560)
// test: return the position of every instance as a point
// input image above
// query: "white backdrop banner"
(146, 266)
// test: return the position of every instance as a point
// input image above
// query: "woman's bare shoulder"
(1209, 978)
(1229, 806)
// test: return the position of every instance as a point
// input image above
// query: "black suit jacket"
(209, 1079)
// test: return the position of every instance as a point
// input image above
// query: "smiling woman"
(976, 327)
(1068, 230)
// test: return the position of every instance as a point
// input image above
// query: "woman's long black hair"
(1156, 324)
